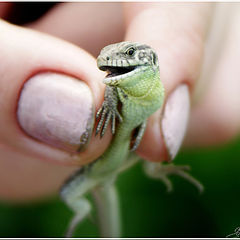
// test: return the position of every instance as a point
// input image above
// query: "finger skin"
(24, 179)
(82, 66)
(29, 168)
(179, 44)
(215, 118)
(91, 26)
(29, 52)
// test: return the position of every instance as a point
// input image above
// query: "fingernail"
(175, 119)
(58, 110)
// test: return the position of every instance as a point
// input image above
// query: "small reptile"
(133, 92)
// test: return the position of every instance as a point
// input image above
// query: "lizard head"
(124, 60)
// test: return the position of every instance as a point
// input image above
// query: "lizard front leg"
(108, 111)
(140, 133)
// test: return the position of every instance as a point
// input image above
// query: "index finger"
(177, 32)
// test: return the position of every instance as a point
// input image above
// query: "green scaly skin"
(133, 83)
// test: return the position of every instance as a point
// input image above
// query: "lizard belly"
(117, 152)
(134, 115)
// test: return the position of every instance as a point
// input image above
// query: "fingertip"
(56, 81)
(179, 44)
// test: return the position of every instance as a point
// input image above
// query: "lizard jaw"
(117, 74)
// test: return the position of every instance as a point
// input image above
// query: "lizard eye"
(130, 51)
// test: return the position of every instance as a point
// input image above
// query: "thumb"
(48, 93)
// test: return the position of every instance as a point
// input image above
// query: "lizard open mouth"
(116, 71)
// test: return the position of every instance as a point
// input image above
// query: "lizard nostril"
(107, 58)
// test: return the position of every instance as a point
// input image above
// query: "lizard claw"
(105, 114)
(162, 171)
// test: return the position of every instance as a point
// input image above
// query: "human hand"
(197, 45)
(33, 127)
(180, 46)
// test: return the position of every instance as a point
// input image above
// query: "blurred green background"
(147, 209)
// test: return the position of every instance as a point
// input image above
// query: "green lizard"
(133, 92)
